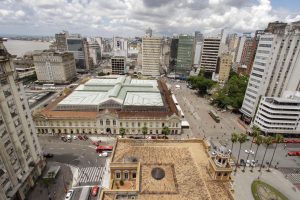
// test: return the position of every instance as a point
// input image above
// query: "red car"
(95, 190)
(80, 137)
(294, 153)
(95, 143)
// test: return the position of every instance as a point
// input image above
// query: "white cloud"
(132, 17)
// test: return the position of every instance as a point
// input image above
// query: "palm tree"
(258, 141)
(166, 131)
(144, 131)
(234, 139)
(255, 132)
(242, 138)
(268, 141)
(278, 139)
(122, 131)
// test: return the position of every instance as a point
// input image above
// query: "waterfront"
(20, 47)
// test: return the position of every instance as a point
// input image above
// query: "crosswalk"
(90, 174)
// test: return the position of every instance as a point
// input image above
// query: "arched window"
(107, 122)
(114, 122)
(101, 122)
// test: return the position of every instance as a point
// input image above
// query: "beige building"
(225, 66)
(54, 67)
(151, 53)
(165, 169)
(104, 105)
(21, 160)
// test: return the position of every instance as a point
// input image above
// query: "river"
(20, 47)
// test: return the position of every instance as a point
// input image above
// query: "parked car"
(85, 137)
(69, 195)
(153, 137)
(48, 155)
(80, 137)
(74, 137)
(95, 190)
(246, 151)
(69, 137)
(252, 152)
(95, 143)
(63, 138)
(104, 154)
(294, 153)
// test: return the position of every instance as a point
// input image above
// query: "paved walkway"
(275, 178)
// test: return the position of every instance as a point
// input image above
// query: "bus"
(174, 99)
(214, 115)
(85, 193)
(101, 149)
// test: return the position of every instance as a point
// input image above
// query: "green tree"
(267, 141)
(200, 83)
(242, 138)
(101, 74)
(145, 131)
(122, 131)
(258, 142)
(278, 139)
(166, 131)
(255, 132)
(234, 139)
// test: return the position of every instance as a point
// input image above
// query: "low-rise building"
(54, 67)
(103, 106)
(118, 64)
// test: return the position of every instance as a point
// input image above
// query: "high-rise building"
(248, 54)
(240, 47)
(173, 53)
(118, 64)
(54, 67)
(225, 66)
(61, 41)
(275, 69)
(149, 32)
(21, 160)
(185, 55)
(120, 46)
(198, 36)
(94, 49)
(151, 52)
(209, 56)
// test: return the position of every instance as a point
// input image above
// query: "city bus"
(85, 193)
(101, 149)
(214, 115)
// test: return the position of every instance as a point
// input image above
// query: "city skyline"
(132, 18)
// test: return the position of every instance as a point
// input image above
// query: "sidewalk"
(275, 178)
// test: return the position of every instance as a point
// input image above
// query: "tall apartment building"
(120, 46)
(185, 55)
(151, 52)
(279, 115)
(240, 48)
(275, 69)
(209, 56)
(118, 64)
(248, 54)
(21, 160)
(225, 66)
(54, 67)
(61, 41)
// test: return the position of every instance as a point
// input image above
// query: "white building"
(21, 160)
(240, 47)
(151, 53)
(275, 69)
(54, 67)
(120, 46)
(94, 49)
(279, 115)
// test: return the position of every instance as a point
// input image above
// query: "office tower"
(21, 160)
(151, 52)
(198, 36)
(275, 69)
(240, 48)
(185, 55)
(149, 32)
(118, 64)
(120, 46)
(209, 56)
(225, 66)
(54, 67)
(173, 53)
(248, 54)
(94, 49)
(61, 41)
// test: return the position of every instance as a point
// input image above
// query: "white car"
(69, 137)
(246, 151)
(69, 195)
(104, 154)
(252, 152)
(74, 137)
(248, 163)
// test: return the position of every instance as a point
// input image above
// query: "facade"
(151, 53)
(103, 106)
(61, 41)
(209, 56)
(24, 66)
(279, 115)
(173, 53)
(120, 46)
(94, 48)
(21, 160)
(248, 53)
(225, 66)
(198, 36)
(185, 55)
(54, 67)
(149, 32)
(118, 64)
(275, 69)
(241, 46)
(168, 169)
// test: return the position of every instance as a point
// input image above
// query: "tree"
(145, 131)
(166, 131)
(122, 131)
(278, 139)
(200, 83)
(101, 74)
(242, 138)
(234, 139)
(258, 141)
(267, 141)
(255, 132)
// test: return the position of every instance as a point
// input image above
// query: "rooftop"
(170, 169)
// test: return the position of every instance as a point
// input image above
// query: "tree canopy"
(200, 83)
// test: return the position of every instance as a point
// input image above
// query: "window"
(114, 122)
(121, 124)
(133, 174)
(139, 124)
(118, 175)
(101, 122)
(132, 124)
(265, 45)
(107, 122)
(126, 175)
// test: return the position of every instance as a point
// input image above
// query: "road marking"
(61, 148)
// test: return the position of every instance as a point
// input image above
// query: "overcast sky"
(131, 17)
